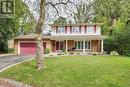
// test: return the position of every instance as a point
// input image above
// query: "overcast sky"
(51, 13)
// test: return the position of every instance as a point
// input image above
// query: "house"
(81, 37)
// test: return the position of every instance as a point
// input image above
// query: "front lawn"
(74, 71)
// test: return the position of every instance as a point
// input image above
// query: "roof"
(77, 37)
(31, 36)
(61, 37)
(77, 24)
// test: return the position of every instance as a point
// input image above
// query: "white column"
(18, 47)
(102, 46)
(66, 46)
(83, 46)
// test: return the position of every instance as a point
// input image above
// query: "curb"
(4, 55)
(15, 64)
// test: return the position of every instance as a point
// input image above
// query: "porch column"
(66, 46)
(83, 46)
(102, 46)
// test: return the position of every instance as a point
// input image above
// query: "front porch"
(77, 45)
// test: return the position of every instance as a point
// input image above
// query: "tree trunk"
(39, 52)
(39, 37)
(113, 24)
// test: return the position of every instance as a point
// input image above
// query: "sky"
(51, 13)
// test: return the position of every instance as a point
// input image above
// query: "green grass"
(74, 71)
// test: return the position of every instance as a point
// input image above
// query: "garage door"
(27, 48)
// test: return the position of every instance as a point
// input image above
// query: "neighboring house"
(81, 37)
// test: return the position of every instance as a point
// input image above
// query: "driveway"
(6, 61)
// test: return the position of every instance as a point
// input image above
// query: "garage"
(27, 48)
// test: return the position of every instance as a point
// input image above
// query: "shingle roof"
(30, 36)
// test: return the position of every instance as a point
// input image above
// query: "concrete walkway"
(6, 61)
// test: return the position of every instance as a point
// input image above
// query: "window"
(59, 45)
(90, 29)
(87, 44)
(61, 30)
(79, 45)
(75, 45)
(75, 30)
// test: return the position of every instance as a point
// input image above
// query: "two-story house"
(81, 37)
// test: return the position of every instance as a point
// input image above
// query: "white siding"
(98, 31)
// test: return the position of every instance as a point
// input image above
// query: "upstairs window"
(61, 30)
(90, 29)
(75, 30)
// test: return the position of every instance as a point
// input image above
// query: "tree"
(10, 27)
(83, 13)
(23, 18)
(41, 9)
(6, 33)
(120, 39)
(127, 38)
(38, 38)
(112, 10)
(60, 20)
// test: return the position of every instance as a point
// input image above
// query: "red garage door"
(27, 48)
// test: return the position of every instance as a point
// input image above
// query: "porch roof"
(65, 37)
(77, 37)
(31, 36)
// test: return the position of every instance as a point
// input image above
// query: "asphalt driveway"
(6, 61)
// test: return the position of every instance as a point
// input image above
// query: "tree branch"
(59, 3)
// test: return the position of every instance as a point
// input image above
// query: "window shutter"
(94, 28)
(85, 29)
(70, 29)
(56, 29)
(65, 29)
(79, 29)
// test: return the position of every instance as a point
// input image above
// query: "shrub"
(114, 53)
(47, 51)
(10, 50)
(64, 51)
(78, 53)
(95, 54)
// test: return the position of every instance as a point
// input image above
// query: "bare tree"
(82, 11)
(40, 8)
